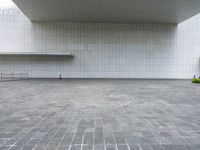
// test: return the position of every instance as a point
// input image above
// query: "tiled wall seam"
(101, 50)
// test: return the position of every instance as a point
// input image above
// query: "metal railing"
(13, 76)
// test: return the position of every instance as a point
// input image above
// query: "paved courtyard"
(99, 115)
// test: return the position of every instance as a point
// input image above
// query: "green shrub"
(196, 80)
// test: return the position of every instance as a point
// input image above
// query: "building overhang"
(110, 11)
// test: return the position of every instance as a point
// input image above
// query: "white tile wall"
(102, 50)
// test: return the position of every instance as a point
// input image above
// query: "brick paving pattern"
(99, 115)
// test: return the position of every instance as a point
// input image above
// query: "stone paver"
(99, 114)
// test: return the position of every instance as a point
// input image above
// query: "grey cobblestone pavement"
(99, 115)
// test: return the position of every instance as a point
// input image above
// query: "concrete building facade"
(101, 50)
